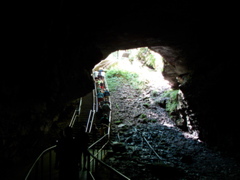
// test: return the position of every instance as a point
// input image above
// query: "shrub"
(117, 78)
(143, 116)
(148, 58)
(172, 102)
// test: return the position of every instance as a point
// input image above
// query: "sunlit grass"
(134, 69)
(117, 78)
(139, 74)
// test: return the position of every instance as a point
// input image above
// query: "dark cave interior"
(52, 47)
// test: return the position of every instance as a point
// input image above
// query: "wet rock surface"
(178, 155)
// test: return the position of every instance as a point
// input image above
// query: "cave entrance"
(145, 63)
(135, 75)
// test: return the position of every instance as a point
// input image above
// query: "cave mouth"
(181, 149)
(149, 66)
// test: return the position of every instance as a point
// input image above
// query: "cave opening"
(135, 116)
(148, 66)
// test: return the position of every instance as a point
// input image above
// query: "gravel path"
(135, 114)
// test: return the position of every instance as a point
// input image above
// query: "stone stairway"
(87, 105)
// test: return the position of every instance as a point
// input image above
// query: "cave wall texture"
(52, 46)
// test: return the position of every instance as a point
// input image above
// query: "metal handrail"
(94, 100)
(110, 122)
(102, 148)
(75, 114)
(109, 167)
(95, 156)
(35, 162)
(110, 113)
(73, 118)
(52, 147)
(97, 141)
(90, 121)
(80, 105)
(95, 96)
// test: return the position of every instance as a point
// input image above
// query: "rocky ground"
(136, 115)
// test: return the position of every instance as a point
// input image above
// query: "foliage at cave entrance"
(117, 78)
(148, 58)
(133, 67)
(172, 101)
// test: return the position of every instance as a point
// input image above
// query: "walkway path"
(183, 155)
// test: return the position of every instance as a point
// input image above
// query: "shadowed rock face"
(53, 46)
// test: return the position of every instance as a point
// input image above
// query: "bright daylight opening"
(142, 61)
(141, 69)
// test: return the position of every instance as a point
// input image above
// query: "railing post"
(79, 107)
(88, 164)
(50, 164)
(41, 167)
(93, 92)
(93, 165)
(37, 170)
(89, 117)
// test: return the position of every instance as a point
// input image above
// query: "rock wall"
(203, 77)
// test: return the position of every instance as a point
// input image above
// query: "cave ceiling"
(51, 48)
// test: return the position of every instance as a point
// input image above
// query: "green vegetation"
(146, 105)
(143, 116)
(154, 93)
(147, 57)
(172, 103)
(118, 122)
(152, 120)
(131, 70)
(117, 78)
(145, 119)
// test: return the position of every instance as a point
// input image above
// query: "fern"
(172, 103)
